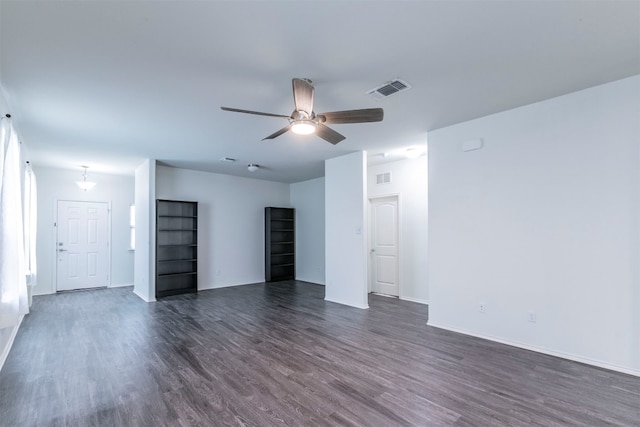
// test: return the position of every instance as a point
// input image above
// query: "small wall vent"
(383, 178)
(389, 89)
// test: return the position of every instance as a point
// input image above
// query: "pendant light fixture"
(84, 184)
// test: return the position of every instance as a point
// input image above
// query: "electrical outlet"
(483, 307)
(533, 317)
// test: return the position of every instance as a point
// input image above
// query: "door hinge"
(55, 224)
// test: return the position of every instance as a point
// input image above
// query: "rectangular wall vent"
(389, 89)
(383, 178)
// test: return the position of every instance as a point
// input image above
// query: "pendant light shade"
(84, 184)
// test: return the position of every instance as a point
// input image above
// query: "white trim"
(560, 354)
(310, 283)
(119, 285)
(43, 293)
(226, 285)
(230, 285)
(142, 297)
(314, 282)
(7, 348)
(364, 307)
(418, 300)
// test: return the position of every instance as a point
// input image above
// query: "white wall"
(144, 261)
(230, 221)
(409, 183)
(346, 230)
(60, 184)
(308, 200)
(544, 218)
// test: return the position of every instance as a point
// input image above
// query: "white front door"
(384, 245)
(82, 246)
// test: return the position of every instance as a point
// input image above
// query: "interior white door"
(384, 245)
(82, 247)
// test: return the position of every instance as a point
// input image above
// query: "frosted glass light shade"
(86, 185)
(303, 127)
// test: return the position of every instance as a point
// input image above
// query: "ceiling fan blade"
(328, 134)
(278, 133)
(257, 113)
(352, 116)
(303, 95)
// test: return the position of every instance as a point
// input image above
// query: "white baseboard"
(568, 356)
(142, 297)
(309, 282)
(9, 343)
(226, 285)
(230, 285)
(120, 285)
(418, 300)
(315, 282)
(364, 307)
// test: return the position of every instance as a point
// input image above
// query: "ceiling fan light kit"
(252, 167)
(304, 121)
(303, 127)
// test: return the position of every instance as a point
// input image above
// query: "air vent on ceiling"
(383, 178)
(389, 89)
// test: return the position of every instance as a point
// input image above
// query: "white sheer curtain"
(30, 225)
(13, 282)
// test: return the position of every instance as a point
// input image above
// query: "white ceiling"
(109, 83)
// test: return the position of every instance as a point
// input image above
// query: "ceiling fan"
(304, 121)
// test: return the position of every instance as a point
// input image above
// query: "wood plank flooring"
(278, 354)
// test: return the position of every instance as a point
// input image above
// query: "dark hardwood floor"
(278, 354)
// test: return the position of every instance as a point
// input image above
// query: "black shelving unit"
(176, 247)
(279, 244)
